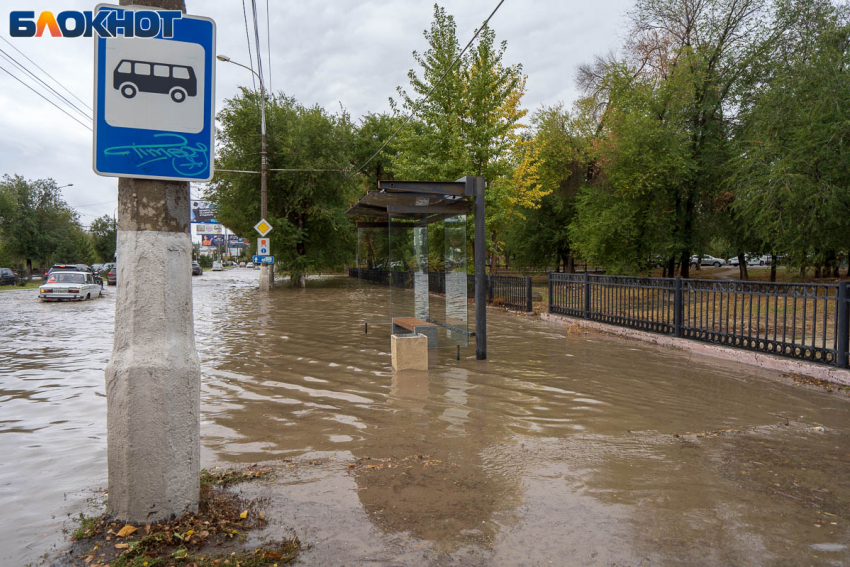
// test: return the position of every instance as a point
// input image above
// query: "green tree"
(792, 161)
(306, 209)
(664, 148)
(104, 233)
(37, 226)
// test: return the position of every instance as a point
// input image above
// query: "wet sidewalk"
(574, 449)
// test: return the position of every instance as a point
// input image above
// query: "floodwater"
(564, 448)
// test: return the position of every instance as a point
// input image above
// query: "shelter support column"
(480, 266)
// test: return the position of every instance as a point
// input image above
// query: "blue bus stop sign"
(154, 115)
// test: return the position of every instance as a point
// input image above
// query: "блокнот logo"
(106, 23)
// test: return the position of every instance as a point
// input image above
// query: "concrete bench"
(404, 325)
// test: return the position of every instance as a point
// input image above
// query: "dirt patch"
(213, 537)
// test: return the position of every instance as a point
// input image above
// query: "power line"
(269, 43)
(72, 117)
(23, 68)
(95, 204)
(248, 39)
(257, 40)
(427, 96)
(46, 73)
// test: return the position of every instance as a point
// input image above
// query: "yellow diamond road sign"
(263, 227)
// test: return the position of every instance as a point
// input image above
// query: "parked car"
(707, 260)
(73, 268)
(112, 275)
(197, 270)
(64, 285)
(8, 277)
(241, 264)
(249, 265)
(751, 260)
(217, 267)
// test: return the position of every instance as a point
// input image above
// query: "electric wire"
(71, 116)
(427, 96)
(248, 40)
(37, 66)
(269, 43)
(23, 68)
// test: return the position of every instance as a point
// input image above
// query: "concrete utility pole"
(266, 271)
(153, 377)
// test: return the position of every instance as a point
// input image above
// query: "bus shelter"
(412, 236)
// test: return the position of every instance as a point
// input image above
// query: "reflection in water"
(559, 446)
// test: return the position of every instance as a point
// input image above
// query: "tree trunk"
(671, 267)
(773, 267)
(571, 264)
(742, 267)
(685, 267)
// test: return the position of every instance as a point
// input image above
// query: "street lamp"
(63, 186)
(264, 275)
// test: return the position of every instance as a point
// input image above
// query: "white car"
(707, 261)
(751, 260)
(249, 265)
(217, 267)
(69, 286)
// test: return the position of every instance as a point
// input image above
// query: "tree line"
(38, 228)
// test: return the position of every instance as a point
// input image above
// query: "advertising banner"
(212, 240)
(235, 242)
(203, 211)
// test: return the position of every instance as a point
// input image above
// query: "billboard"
(212, 240)
(235, 242)
(203, 212)
(201, 228)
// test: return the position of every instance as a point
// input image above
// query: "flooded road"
(562, 448)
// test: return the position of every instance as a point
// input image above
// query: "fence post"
(528, 297)
(551, 292)
(678, 307)
(841, 343)
(586, 293)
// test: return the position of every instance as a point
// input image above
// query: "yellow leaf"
(122, 545)
(126, 530)
(189, 533)
(244, 514)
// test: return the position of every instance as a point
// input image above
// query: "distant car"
(707, 261)
(96, 268)
(249, 265)
(197, 270)
(751, 260)
(217, 267)
(241, 264)
(112, 275)
(64, 285)
(8, 277)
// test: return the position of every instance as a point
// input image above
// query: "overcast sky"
(349, 52)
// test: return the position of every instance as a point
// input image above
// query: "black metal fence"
(807, 321)
(513, 292)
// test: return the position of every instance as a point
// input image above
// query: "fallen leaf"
(244, 514)
(262, 516)
(126, 530)
(121, 546)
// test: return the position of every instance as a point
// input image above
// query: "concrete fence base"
(762, 360)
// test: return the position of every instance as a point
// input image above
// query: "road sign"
(263, 248)
(264, 259)
(154, 115)
(263, 227)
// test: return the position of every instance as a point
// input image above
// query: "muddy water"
(569, 448)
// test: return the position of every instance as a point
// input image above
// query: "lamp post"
(63, 186)
(265, 276)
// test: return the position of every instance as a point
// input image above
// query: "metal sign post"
(154, 130)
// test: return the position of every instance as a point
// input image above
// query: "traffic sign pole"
(153, 377)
